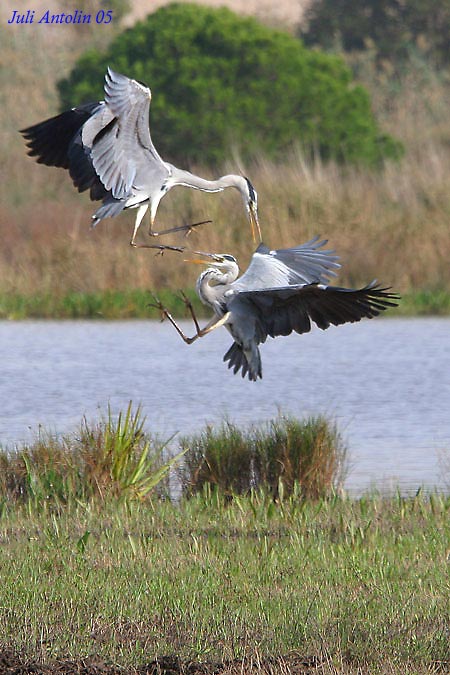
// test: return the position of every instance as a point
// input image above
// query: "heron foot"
(161, 248)
(186, 300)
(187, 229)
(158, 305)
(165, 314)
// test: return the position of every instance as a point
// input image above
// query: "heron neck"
(181, 177)
(211, 283)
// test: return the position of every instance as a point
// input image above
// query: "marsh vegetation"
(93, 562)
(390, 223)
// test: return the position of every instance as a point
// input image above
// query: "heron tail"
(108, 209)
(249, 360)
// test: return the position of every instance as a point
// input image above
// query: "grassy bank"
(136, 304)
(353, 587)
(98, 565)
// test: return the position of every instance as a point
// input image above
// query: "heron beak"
(197, 261)
(254, 222)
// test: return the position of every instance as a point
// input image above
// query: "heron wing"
(280, 311)
(50, 140)
(121, 148)
(57, 142)
(304, 264)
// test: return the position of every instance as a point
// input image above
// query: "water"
(386, 382)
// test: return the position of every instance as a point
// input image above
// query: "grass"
(128, 304)
(284, 456)
(97, 562)
(136, 304)
(361, 587)
(111, 458)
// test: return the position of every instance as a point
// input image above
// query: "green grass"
(283, 456)
(134, 304)
(360, 585)
(111, 458)
(96, 560)
(131, 304)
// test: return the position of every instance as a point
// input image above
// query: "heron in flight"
(107, 148)
(282, 291)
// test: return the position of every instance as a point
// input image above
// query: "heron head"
(251, 203)
(221, 261)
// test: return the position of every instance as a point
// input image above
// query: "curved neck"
(212, 282)
(188, 179)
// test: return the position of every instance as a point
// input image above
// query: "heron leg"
(161, 248)
(188, 304)
(181, 228)
(142, 210)
(216, 322)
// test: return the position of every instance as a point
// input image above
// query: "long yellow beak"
(198, 261)
(254, 224)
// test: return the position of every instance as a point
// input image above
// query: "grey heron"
(282, 291)
(108, 149)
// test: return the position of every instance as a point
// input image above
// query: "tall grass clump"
(113, 458)
(286, 453)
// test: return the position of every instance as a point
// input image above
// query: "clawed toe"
(185, 299)
(190, 228)
(158, 305)
(161, 248)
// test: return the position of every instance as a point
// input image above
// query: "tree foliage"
(220, 81)
(394, 27)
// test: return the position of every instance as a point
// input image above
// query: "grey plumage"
(282, 291)
(108, 150)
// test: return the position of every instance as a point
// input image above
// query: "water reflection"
(386, 382)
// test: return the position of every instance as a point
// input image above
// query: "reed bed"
(112, 458)
(391, 224)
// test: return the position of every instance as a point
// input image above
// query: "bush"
(223, 82)
(394, 28)
(288, 452)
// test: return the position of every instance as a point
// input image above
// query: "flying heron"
(107, 148)
(282, 291)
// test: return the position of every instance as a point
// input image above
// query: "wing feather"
(50, 140)
(281, 311)
(305, 264)
(122, 152)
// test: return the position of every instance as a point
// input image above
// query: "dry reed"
(392, 224)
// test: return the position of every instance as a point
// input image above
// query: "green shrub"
(286, 453)
(222, 82)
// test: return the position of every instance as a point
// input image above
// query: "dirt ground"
(13, 664)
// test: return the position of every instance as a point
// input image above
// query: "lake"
(386, 382)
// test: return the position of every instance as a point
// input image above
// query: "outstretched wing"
(57, 142)
(280, 311)
(304, 264)
(50, 140)
(106, 145)
(122, 153)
